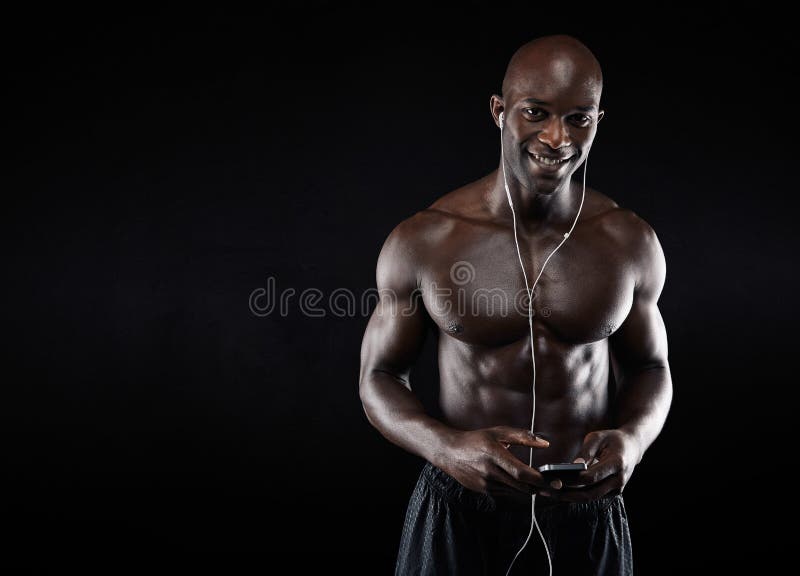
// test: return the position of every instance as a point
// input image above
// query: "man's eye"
(581, 120)
(534, 113)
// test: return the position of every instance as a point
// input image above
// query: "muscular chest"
(474, 290)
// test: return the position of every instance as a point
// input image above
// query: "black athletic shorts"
(452, 530)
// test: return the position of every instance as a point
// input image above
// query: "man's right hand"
(480, 460)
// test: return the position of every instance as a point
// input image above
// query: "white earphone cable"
(529, 290)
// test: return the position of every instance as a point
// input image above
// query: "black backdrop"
(170, 163)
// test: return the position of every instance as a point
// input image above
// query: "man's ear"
(600, 115)
(496, 106)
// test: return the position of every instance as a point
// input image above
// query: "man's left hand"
(611, 455)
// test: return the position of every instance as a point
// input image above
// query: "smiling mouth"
(547, 161)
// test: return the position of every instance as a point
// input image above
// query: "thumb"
(591, 444)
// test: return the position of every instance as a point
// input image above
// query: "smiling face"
(551, 99)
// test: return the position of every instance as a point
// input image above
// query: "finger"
(518, 436)
(591, 444)
(500, 475)
(520, 471)
(612, 484)
(600, 471)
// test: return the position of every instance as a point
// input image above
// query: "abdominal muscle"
(482, 388)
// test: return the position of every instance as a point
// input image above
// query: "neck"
(535, 210)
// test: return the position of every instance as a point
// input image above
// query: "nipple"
(455, 328)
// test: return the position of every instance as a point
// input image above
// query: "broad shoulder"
(405, 249)
(409, 245)
(467, 203)
(431, 226)
(635, 241)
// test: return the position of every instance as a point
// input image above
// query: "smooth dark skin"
(595, 306)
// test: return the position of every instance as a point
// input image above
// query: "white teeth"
(548, 161)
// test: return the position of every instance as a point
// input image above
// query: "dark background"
(168, 163)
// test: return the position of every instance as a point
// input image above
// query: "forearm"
(643, 404)
(397, 413)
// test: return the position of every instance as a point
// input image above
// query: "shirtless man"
(602, 383)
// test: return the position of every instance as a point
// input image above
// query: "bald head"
(556, 61)
(548, 112)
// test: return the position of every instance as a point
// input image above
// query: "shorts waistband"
(450, 488)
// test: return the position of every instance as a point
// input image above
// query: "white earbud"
(502, 118)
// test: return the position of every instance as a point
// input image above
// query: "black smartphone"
(566, 471)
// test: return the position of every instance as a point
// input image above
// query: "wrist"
(443, 441)
(634, 442)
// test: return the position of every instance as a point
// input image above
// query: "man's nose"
(555, 134)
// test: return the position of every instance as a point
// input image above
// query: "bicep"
(395, 334)
(396, 330)
(641, 340)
